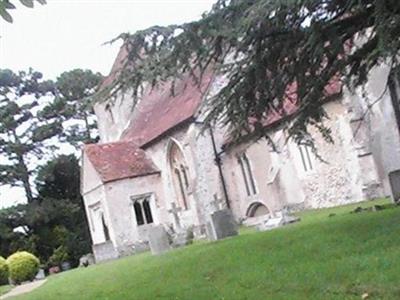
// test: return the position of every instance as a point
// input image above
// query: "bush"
(3, 271)
(59, 256)
(23, 266)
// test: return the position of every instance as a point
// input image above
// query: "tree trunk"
(25, 179)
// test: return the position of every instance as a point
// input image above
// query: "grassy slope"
(4, 289)
(322, 257)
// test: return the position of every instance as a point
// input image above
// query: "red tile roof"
(119, 160)
(159, 111)
(291, 106)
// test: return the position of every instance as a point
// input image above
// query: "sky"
(67, 34)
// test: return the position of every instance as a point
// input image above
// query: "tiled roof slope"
(159, 111)
(119, 160)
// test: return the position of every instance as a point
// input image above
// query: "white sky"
(68, 34)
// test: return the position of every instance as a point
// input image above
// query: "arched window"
(247, 174)
(141, 206)
(138, 213)
(257, 209)
(105, 228)
(179, 173)
(147, 211)
(306, 157)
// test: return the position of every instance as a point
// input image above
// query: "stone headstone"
(104, 251)
(86, 260)
(175, 212)
(254, 221)
(158, 240)
(40, 275)
(394, 179)
(65, 266)
(222, 225)
(280, 219)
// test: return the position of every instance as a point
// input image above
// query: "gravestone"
(158, 240)
(394, 179)
(104, 251)
(174, 211)
(280, 219)
(40, 275)
(221, 225)
(86, 260)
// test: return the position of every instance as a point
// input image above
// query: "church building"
(156, 164)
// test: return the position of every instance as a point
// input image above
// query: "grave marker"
(158, 240)
(394, 179)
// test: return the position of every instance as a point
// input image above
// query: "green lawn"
(322, 257)
(4, 289)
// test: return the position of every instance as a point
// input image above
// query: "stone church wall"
(379, 133)
(338, 179)
(114, 118)
(207, 188)
(128, 236)
(159, 152)
(96, 197)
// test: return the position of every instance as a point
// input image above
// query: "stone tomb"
(221, 225)
(40, 275)
(158, 240)
(280, 219)
(104, 251)
(394, 179)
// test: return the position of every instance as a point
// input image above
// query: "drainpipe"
(393, 88)
(219, 165)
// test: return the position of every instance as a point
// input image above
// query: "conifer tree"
(264, 47)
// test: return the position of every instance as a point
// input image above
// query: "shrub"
(23, 266)
(3, 271)
(59, 256)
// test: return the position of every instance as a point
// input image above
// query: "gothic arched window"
(143, 214)
(247, 173)
(180, 174)
(105, 228)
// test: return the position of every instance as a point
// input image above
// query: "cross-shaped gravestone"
(174, 211)
(216, 203)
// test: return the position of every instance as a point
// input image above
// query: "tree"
(76, 88)
(73, 106)
(265, 49)
(23, 134)
(6, 5)
(58, 184)
(36, 115)
(56, 219)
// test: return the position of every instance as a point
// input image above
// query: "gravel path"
(23, 288)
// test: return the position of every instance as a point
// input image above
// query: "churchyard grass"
(4, 289)
(342, 256)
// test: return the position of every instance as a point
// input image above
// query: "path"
(23, 288)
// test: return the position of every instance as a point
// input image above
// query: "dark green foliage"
(3, 271)
(56, 219)
(29, 120)
(22, 132)
(60, 178)
(74, 102)
(263, 47)
(31, 125)
(59, 256)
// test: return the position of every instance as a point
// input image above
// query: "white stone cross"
(174, 211)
